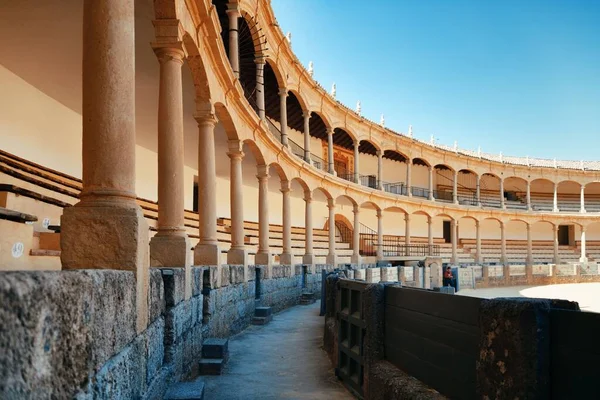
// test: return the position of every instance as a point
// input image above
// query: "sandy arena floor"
(586, 294)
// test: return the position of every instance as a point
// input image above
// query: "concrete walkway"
(281, 360)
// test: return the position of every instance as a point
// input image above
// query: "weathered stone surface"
(225, 275)
(237, 274)
(154, 350)
(197, 276)
(156, 294)
(389, 382)
(514, 347)
(252, 272)
(174, 281)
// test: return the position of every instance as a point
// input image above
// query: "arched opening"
(295, 122)
(516, 245)
(515, 193)
(368, 164)
(489, 185)
(467, 188)
(343, 154)
(443, 180)
(272, 101)
(420, 178)
(592, 197)
(394, 168)
(569, 196)
(467, 235)
(318, 140)
(542, 195)
(368, 232)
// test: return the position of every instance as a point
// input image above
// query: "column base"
(108, 237)
(286, 259)
(207, 254)
(308, 259)
(356, 259)
(265, 259)
(173, 252)
(555, 210)
(331, 259)
(237, 257)
(583, 211)
(583, 259)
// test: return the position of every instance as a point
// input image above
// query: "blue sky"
(517, 77)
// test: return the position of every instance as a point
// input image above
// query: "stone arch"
(260, 159)
(225, 118)
(281, 81)
(301, 100)
(370, 204)
(197, 68)
(324, 191)
(302, 183)
(368, 146)
(350, 199)
(279, 170)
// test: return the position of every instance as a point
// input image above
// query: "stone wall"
(73, 333)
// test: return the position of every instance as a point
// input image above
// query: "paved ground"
(586, 294)
(281, 360)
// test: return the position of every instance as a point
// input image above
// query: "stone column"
(233, 13)
(503, 259)
(331, 257)
(379, 170)
(430, 234)
(556, 253)
(263, 255)
(309, 257)
(406, 234)
(307, 157)
(529, 208)
(478, 255)
(170, 247)
(431, 197)
(555, 202)
(207, 251)
(502, 204)
(237, 254)
(582, 199)
(409, 177)
(286, 257)
(330, 151)
(106, 229)
(356, 237)
(283, 118)
(455, 188)
(478, 191)
(379, 235)
(454, 240)
(356, 165)
(529, 261)
(583, 257)
(260, 86)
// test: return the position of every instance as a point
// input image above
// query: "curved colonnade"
(224, 96)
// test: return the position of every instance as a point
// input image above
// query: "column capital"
(205, 114)
(306, 114)
(477, 223)
(429, 219)
(169, 52)
(331, 203)
(235, 155)
(379, 213)
(407, 217)
(329, 131)
(356, 143)
(262, 172)
(285, 186)
(379, 153)
(583, 228)
(260, 59)
(356, 209)
(528, 226)
(283, 92)
(233, 9)
(555, 227)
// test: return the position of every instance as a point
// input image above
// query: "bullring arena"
(178, 159)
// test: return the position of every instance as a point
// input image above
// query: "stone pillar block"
(207, 254)
(332, 260)
(265, 259)
(360, 274)
(173, 252)
(237, 257)
(286, 259)
(108, 238)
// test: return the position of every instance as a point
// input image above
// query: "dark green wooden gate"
(351, 334)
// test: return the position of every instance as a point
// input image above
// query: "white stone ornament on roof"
(311, 68)
(501, 159)
(555, 165)
(432, 140)
(455, 146)
(410, 131)
(527, 160)
(333, 90)
(382, 120)
(288, 36)
(479, 151)
(358, 107)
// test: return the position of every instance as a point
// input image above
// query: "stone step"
(185, 391)
(263, 312)
(215, 348)
(307, 298)
(211, 366)
(262, 320)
